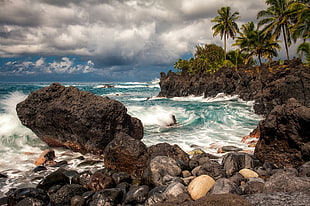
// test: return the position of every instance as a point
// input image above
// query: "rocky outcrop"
(285, 135)
(79, 120)
(268, 85)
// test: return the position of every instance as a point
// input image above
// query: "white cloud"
(65, 65)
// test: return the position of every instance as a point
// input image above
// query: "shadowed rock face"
(79, 120)
(285, 135)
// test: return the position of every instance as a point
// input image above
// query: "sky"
(106, 40)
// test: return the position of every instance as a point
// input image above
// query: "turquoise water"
(207, 123)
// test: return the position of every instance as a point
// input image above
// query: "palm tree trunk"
(260, 60)
(225, 37)
(285, 42)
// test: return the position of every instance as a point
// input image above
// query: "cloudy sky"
(105, 40)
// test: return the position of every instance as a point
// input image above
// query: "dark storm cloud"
(136, 33)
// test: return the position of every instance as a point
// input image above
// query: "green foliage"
(207, 58)
(305, 49)
(254, 42)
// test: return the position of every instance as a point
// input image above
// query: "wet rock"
(39, 168)
(82, 178)
(64, 194)
(200, 186)
(159, 169)
(233, 162)
(55, 178)
(79, 120)
(225, 149)
(32, 195)
(126, 154)
(113, 196)
(284, 135)
(172, 151)
(45, 156)
(3, 175)
(137, 194)
(211, 168)
(99, 181)
(224, 186)
(247, 173)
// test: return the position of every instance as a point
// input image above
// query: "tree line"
(289, 19)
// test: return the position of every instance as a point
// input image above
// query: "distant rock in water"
(285, 133)
(79, 120)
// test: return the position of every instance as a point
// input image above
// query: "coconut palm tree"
(256, 43)
(305, 49)
(301, 19)
(276, 19)
(225, 25)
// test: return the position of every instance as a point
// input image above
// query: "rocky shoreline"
(133, 174)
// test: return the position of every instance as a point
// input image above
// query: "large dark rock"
(285, 135)
(79, 120)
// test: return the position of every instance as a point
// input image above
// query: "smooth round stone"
(200, 186)
(247, 173)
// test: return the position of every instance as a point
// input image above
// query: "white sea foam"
(218, 98)
(15, 139)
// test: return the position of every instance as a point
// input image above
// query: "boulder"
(112, 196)
(172, 151)
(285, 137)
(247, 173)
(161, 170)
(64, 194)
(233, 162)
(55, 178)
(224, 186)
(211, 168)
(99, 181)
(35, 195)
(137, 194)
(79, 120)
(126, 154)
(200, 186)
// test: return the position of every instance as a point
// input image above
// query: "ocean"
(206, 123)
